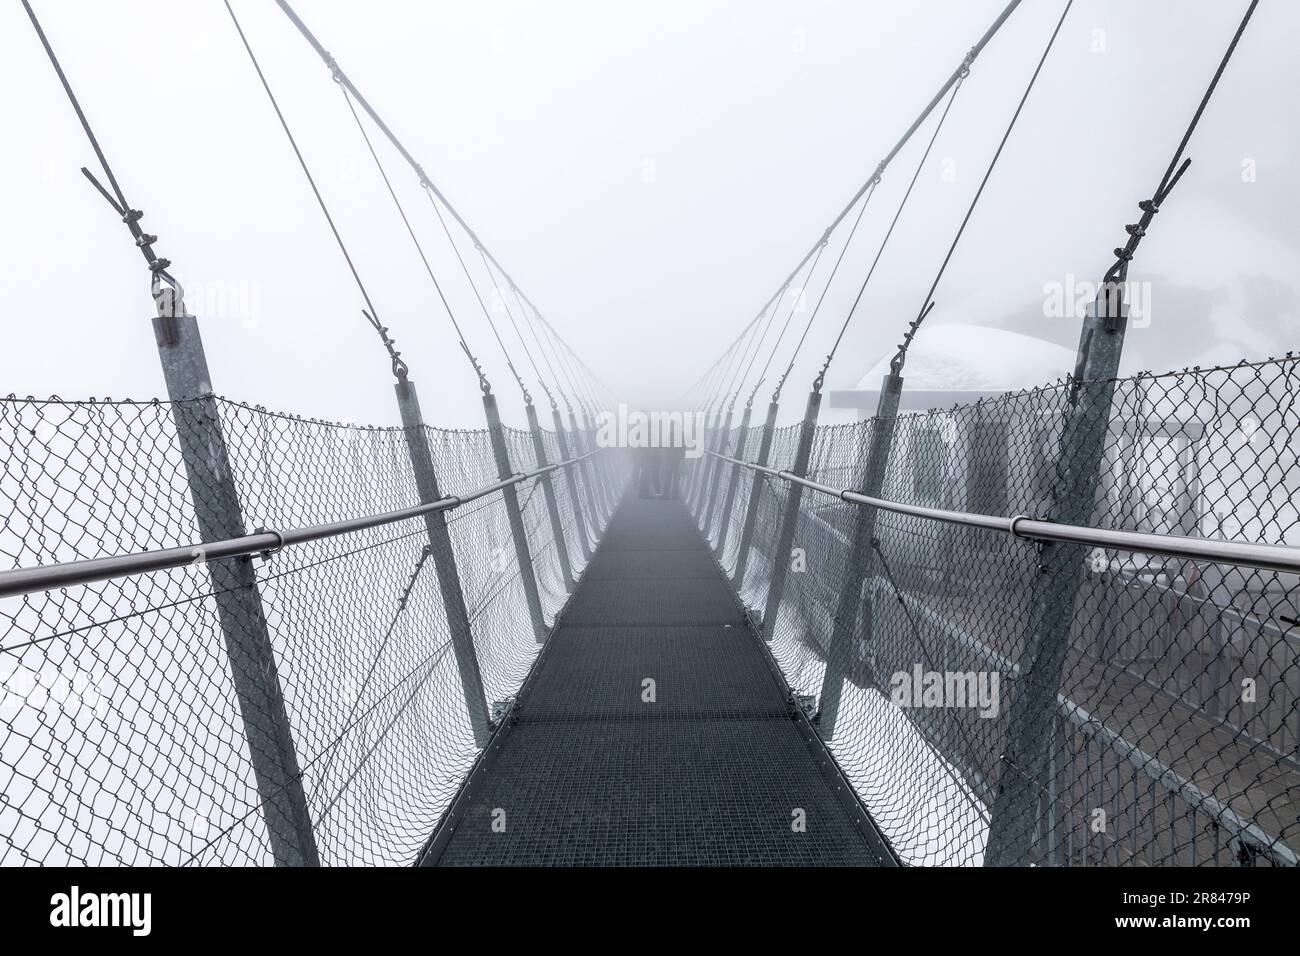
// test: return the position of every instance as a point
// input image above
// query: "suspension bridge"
(230, 635)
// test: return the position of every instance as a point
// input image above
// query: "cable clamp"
(279, 543)
(1015, 521)
(966, 63)
(333, 65)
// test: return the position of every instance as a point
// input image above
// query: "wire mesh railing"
(1175, 739)
(124, 718)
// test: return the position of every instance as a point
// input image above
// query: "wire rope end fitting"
(335, 72)
(966, 62)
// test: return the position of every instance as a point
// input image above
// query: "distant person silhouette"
(671, 453)
(647, 467)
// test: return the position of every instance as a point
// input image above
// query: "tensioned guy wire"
(426, 183)
(880, 251)
(460, 334)
(789, 316)
(896, 363)
(723, 387)
(370, 312)
(546, 358)
(487, 315)
(776, 392)
(505, 306)
(117, 199)
(755, 347)
(962, 70)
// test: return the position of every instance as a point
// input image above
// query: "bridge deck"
(712, 771)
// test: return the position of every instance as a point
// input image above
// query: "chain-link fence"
(124, 714)
(1175, 738)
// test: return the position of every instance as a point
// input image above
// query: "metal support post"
(1061, 571)
(234, 586)
(717, 475)
(444, 563)
(790, 517)
(516, 518)
(844, 652)
(755, 490)
(587, 470)
(729, 500)
(571, 479)
(548, 491)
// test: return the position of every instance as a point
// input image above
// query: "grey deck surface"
(710, 773)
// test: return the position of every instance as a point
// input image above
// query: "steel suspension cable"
(771, 354)
(544, 342)
(370, 312)
(419, 248)
(595, 379)
(575, 381)
(754, 348)
(546, 358)
(1175, 169)
(721, 387)
(487, 315)
(514, 325)
(830, 357)
(425, 182)
(896, 363)
(776, 392)
(117, 199)
(960, 73)
(744, 357)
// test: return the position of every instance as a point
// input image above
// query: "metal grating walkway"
(712, 772)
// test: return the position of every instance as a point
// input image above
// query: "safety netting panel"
(123, 733)
(1174, 739)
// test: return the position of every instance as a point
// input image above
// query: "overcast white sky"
(540, 120)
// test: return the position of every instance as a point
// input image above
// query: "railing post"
(710, 443)
(234, 586)
(839, 652)
(751, 507)
(444, 562)
(1061, 571)
(708, 484)
(790, 517)
(587, 470)
(548, 491)
(730, 499)
(599, 467)
(511, 496)
(571, 479)
(717, 475)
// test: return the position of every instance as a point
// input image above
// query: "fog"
(648, 173)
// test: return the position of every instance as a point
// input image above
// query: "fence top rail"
(20, 581)
(1267, 557)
